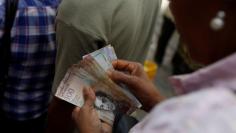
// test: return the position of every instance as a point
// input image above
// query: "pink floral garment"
(210, 109)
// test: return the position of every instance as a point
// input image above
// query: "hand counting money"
(91, 72)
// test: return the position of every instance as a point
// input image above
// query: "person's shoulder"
(80, 10)
(71, 9)
(93, 17)
(100, 17)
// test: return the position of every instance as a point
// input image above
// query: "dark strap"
(5, 46)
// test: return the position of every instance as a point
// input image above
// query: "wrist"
(153, 101)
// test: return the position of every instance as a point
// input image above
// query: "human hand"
(86, 118)
(134, 76)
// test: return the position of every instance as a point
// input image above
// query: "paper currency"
(104, 57)
(91, 72)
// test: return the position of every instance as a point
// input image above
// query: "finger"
(75, 112)
(120, 77)
(89, 97)
(124, 65)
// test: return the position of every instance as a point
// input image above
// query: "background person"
(85, 26)
(25, 96)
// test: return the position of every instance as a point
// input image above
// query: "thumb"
(89, 97)
(75, 113)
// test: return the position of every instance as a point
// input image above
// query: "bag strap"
(5, 48)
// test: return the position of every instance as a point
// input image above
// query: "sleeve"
(72, 44)
(188, 114)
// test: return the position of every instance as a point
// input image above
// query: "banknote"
(104, 56)
(106, 85)
(90, 72)
(110, 97)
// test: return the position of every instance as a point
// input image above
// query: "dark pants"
(29, 126)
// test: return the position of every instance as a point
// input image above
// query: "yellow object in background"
(150, 68)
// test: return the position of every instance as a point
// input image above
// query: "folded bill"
(104, 57)
(91, 72)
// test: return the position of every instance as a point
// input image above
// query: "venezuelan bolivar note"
(104, 57)
(91, 72)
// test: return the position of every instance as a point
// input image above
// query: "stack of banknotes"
(111, 98)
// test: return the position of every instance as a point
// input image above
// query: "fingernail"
(77, 109)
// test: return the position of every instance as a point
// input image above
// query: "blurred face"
(193, 19)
